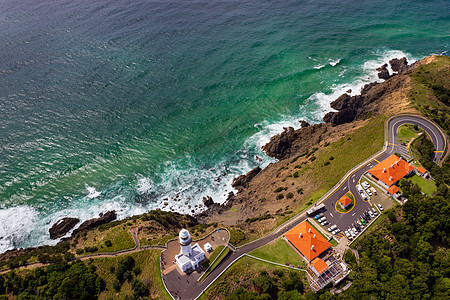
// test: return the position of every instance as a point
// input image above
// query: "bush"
(278, 189)
(280, 196)
(124, 267)
(108, 243)
(139, 289)
(326, 163)
(90, 249)
(300, 191)
(289, 195)
(79, 251)
(296, 174)
(331, 158)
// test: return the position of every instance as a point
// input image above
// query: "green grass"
(348, 152)
(213, 256)
(427, 187)
(216, 263)
(157, 242)
(241, 273)
(280, 252)
(121, 240)
(334, 243)
(147, 260)
(424, 81)
(406, 133)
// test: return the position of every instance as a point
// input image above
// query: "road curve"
(194, 289)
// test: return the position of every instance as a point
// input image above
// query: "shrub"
(108, 243)
(326, 163)
(280, 196)
(290, 195)
(79, 251)
(296, 174)
(278, 189)
(331, 158)
(300, 191)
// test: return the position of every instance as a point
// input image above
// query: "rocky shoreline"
(281, 146)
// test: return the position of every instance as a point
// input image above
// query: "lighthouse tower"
(185, 242)
(190, 256)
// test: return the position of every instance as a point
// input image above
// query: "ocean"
(137, 105)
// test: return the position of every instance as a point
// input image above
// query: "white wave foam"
(318, 67)
(335, 62)
(16, 225)
(144, 185)
(93, 193)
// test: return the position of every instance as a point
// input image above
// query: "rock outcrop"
(399, 65)
(243, 180)
(62, 226)
(303, 123)
(208, 201)
(94, 223)
(383, 72)
(291, 141)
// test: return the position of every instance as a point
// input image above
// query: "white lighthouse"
(190, 256)
(185, 242)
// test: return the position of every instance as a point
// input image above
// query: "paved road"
(192, 290)
(345, 221)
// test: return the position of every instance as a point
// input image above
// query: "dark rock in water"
(366, 88)
(280, 145)
(208, 201)
(399, 65)
(62, 226)
(383, 72)
(303, 123)
(243, 180)
(94, 223)
(342, 102)
(340, 117)
(349, 91)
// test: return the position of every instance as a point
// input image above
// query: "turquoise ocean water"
(126, 105)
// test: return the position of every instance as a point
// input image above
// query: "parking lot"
(355, 220)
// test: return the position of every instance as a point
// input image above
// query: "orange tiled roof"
(310, 243)
(391, 169)
(319, 265)
(345, 200)
(421, 170)
(393, 189)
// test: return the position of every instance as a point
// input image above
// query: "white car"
(365, 185)
(359, 188)
(355, 231)
(374, 191)
(349, 236)
(325, 222)
(369, 193)
(322, 219)
(380, 207)
(363, 196)
(371, 214)
(374, 211)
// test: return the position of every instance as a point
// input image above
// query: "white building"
(189, 257)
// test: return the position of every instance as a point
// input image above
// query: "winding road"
(192, 290)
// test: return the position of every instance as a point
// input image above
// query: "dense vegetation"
(58, 281)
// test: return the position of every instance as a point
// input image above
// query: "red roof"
(307, 240)
(319, 265)
(391, 169)
(421, 170)
(393, 189)
(345, 200)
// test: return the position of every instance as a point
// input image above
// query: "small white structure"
(189, 257)
(208, 247)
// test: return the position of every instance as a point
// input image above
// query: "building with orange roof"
(393, 189)
(307, 240)
(319, 266)
(391, 170)
(345, 202)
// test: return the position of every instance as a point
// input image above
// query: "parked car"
(374, 211)
(331, 228)
(374, 191)
(317, 217)
(359, 188)
(380, 207)
(360, 224)
(324, 223)
(363, 196)
(365, 185)
(371, 214)
(369, 193)
(355, 232)
(363, 221)
(322, 219)
(357, 227)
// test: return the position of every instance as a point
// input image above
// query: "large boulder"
(94, 223)
(304, 124)
(399, 65)
(62, 226)
(340, 117)
(208, 201)
(383, 72)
